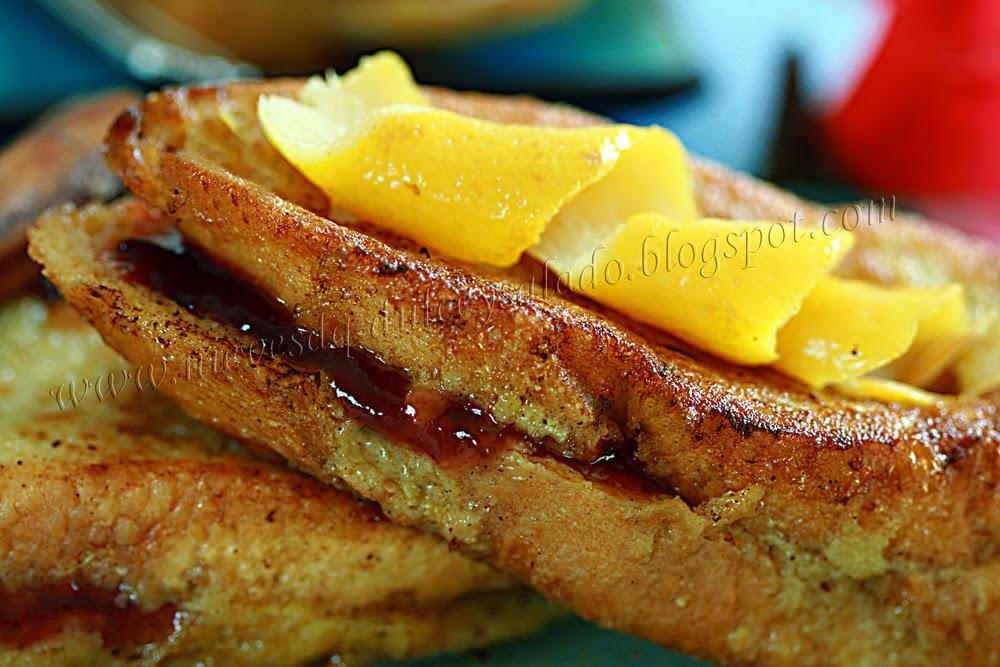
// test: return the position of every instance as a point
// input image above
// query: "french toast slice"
(132, 534)
(728, 512)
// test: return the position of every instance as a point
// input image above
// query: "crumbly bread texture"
(785, 527)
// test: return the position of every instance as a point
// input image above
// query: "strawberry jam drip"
(371, 391)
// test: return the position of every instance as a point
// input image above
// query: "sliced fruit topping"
(652, 177)
(714, 283)
(942, 338)
(847, 328)
(890, 391)
(611, 210)
(978, 371)
(472, 189)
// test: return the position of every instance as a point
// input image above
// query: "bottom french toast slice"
(132, 534)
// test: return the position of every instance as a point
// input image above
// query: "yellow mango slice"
(889, 391)
(480, 191)
(718, 284)
(331, 111)
(978, 370)
(470, 189)
(847, 328)
(611, 210)
(942, 337)
(653, 176)
(381, 80)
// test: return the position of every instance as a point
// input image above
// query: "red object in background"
(924, 121)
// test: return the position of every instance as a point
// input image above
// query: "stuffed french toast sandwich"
(678, 401)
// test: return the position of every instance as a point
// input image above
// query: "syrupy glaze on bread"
(451, 430)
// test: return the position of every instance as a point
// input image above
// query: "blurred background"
(833, 98)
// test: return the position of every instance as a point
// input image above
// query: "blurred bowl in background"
(307, 35)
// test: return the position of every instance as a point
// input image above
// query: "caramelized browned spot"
(27, 617)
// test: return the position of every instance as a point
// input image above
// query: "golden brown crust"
(801, 528)
(263, 564)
